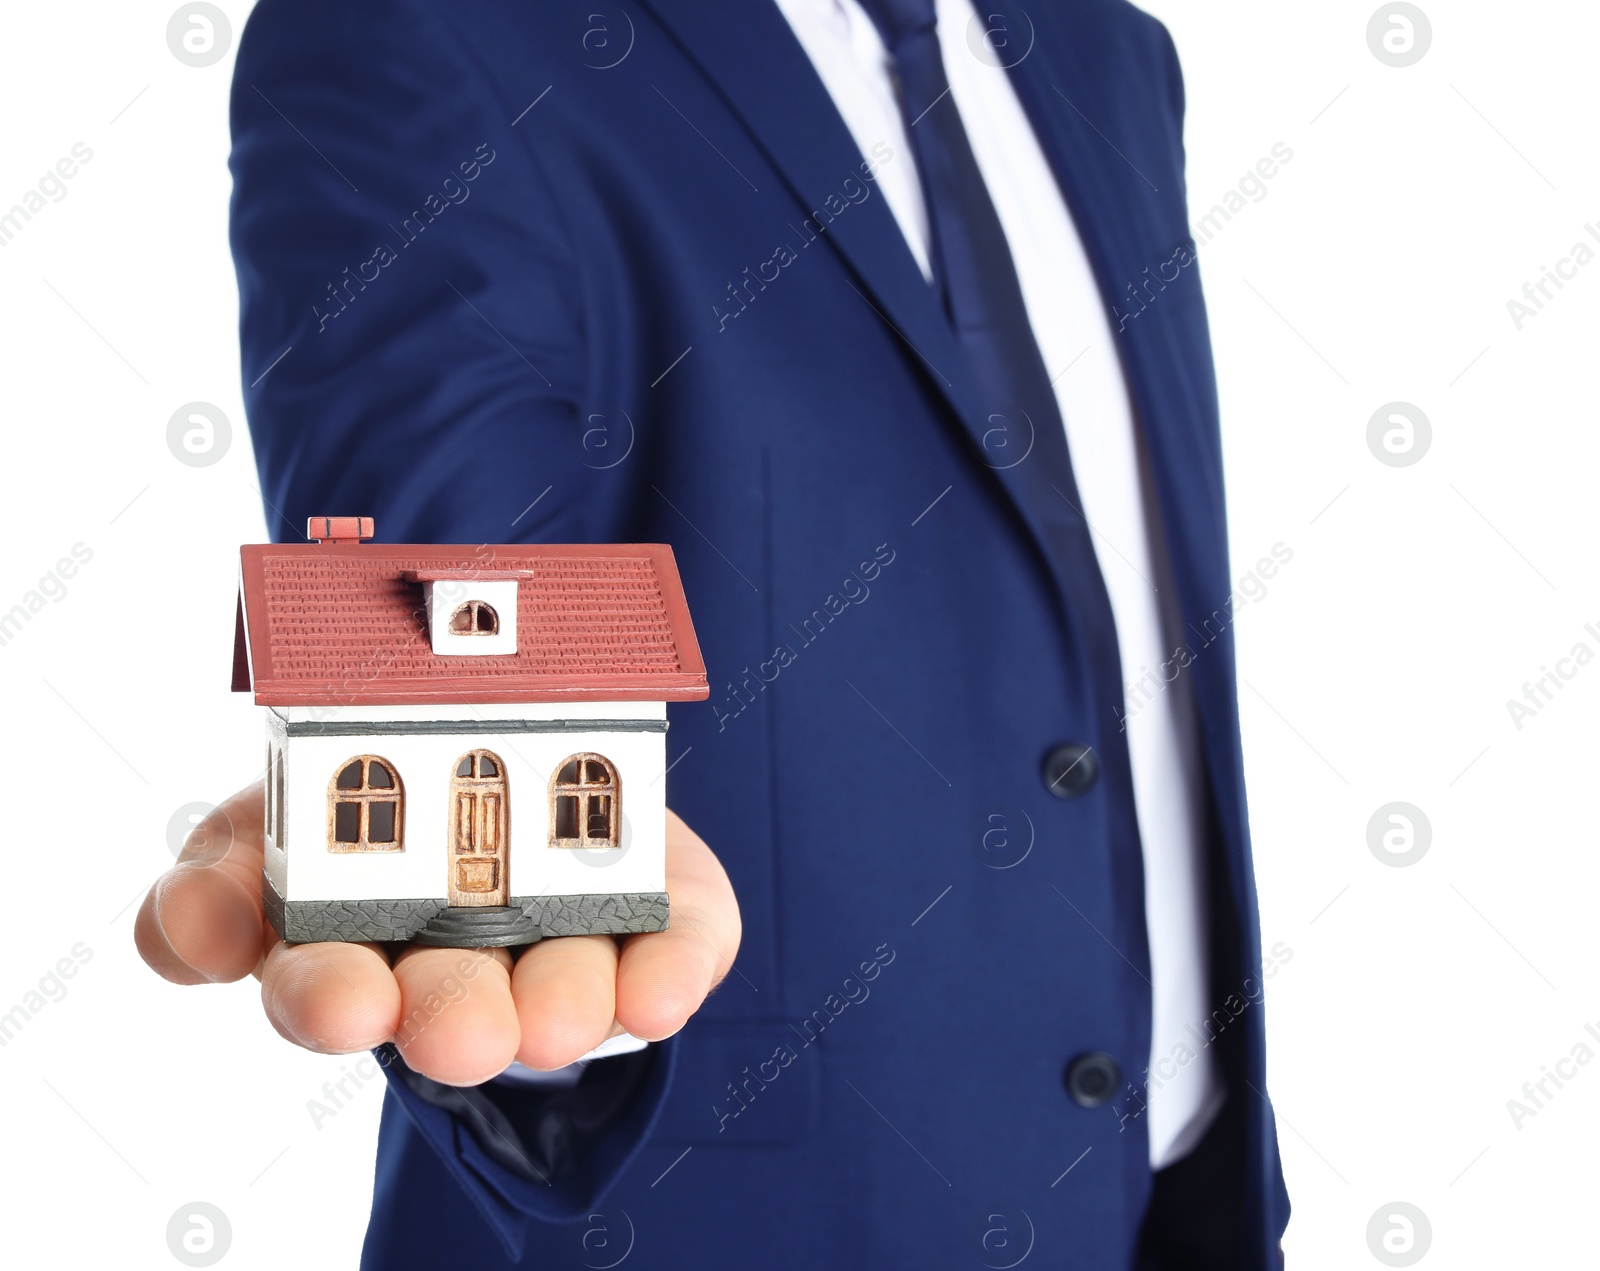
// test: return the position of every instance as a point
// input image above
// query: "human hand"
(545, 1006)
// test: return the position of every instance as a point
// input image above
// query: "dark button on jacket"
(1070, 769)
(1092, 1078)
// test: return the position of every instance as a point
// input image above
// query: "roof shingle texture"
(338, 623)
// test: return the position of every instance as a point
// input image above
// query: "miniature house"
(466, 746)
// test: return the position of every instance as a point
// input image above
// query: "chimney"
(339, 529)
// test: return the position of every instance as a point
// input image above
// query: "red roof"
(344, 624)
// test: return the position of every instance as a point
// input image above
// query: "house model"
(466, 746)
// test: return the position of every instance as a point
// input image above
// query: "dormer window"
(475, 618)
(469, 612)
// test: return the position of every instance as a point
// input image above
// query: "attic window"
(475, 618)
(461, 603)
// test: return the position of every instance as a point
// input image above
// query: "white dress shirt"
(1069, 321)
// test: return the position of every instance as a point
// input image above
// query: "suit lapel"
(1110, 203)
(787, 110)
(745, 47)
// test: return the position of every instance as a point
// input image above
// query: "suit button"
(1092, 1078)
(1070, 769)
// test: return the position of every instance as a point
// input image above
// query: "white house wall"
(425, 764)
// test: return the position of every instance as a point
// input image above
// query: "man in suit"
(885, 314)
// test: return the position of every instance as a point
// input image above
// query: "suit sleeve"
(411, 318)
(521, 1153)
(411, 306)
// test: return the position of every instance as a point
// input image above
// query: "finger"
(663, 978)
(333, 998)
(565, 996)
(457, 1021)
(201, 922)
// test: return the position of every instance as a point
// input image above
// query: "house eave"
(484, 715)
(480, 691)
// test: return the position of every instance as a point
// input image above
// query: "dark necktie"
(972, 265)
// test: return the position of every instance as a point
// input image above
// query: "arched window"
(274, 783)
(366, 807)
(271, 821)
(474, 618)
(585, 803)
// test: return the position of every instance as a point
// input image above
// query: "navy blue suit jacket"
(525, 271)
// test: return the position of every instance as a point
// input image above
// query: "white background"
(1376, 268)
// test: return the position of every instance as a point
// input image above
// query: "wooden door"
(479, 824)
